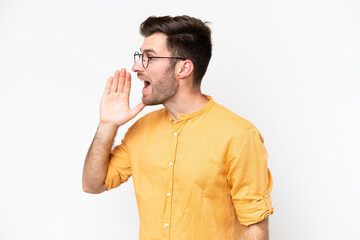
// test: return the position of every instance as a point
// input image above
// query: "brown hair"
(187, 37)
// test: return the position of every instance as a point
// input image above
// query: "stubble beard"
(163, 90)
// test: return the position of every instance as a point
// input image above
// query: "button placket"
(177, 127)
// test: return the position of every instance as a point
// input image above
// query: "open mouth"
(146, 88)
(146, 84)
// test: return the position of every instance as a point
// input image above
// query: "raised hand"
(114, 106)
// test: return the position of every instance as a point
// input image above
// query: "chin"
(147, 101)
(150, 102)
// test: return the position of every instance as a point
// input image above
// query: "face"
(160, 83)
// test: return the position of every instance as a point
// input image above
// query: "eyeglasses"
(145, 58)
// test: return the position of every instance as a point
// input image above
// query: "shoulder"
(239, 131)
(229, 120)
(148, 120)
(158, 114)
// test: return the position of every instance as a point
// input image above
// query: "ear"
(185, 69)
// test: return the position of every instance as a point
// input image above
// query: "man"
(199, 170)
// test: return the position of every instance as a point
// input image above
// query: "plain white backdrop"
(290, 67)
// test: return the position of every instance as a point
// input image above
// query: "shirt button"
(169, 194)
(170, 163)
(175, 134)
(166, 224)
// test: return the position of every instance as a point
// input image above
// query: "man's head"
(187, 37)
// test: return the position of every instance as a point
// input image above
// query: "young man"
(199, 170)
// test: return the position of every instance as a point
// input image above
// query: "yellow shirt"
(201, 177)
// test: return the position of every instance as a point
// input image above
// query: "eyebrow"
(148, 51)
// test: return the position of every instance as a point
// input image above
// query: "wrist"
(108, 126)
(106, 132)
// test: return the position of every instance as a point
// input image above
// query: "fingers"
(121, 80)
(137, 109)
(127, 85)
(114, 85)
(108, 85)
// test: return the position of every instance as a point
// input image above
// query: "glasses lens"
(136, 56)
(145, 59)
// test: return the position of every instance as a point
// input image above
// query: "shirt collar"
(187, 116)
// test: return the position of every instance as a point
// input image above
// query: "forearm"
(257, 231)
(97, 159)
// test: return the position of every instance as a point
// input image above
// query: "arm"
(250, 182)
(114, 112)
(257, 231)
(97, 159)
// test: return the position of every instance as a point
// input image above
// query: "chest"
(192, 157)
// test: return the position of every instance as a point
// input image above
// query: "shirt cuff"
(255, 211)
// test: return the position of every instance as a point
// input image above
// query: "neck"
(185, 102)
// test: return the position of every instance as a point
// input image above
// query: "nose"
(137, 67)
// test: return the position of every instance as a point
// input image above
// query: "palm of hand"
(114, 106)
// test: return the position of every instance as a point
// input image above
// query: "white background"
(290, 67)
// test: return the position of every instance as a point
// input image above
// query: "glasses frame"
(141, 56)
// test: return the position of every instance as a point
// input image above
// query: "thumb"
(135, 111)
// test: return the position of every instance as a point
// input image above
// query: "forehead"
(155, 43)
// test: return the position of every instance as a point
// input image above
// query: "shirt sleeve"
(249, 178)
(119, 170)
